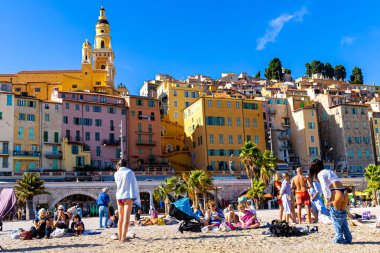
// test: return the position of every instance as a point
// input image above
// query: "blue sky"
(183, 38)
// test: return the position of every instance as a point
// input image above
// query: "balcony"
(26, 153)
(111, 142)
(144, 132)
(283, 136)
(4, 152)
(285, 124)
(53, 155)
(283, 147)
(294, 159)
(146, 143)
(271, 111)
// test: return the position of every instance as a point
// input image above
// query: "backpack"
(26, 235)
(282, 229)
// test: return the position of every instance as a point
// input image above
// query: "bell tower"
(103, 56)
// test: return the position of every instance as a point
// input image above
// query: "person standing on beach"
(286, 197)
(277, 188)
(301, 184)
(336, 196)
(102, 203)
(127, 194)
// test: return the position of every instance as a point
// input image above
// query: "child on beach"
(77, 225)
(41, 226)
(214, 216)
(246, 218)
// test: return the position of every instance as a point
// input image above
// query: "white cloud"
(347, 40)
(276, 25)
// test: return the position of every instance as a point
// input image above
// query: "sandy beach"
(168, 239)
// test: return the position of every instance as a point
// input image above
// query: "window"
(150, 128)
(140, 151)
(46, 136)
(358, 140)
(312, 138)
(111, 110)
(21, 116)
(98, 152)
(256, 139)
(175, 93)
(74, 86)
(209, 103)
(5, 162)
(97, 109)
(176, 115)
(247, 123)
(133, 113)
(375, 121)
(151, 103)
(251, 106)
(186, 94)
(139, 127)
(187, 104)
(364, 124)
(211, 138)
(140, 102)
(9, 99)
(31, 117)
(56, 107)
(31, 133)
(237, 104)
(238, 123)
(175, 103)
(55, 164)
(97, 136)
(351, 154)
(87, 136)
(312, 113)
(77, 107)
(240, 139)
(359, 153)
(65, 120)
(367, 153)
(376, 130)
(214, 121)
(219, 104)
(17, 166)
(230, 139)
(47, 117)
(98, 122)
(311, 125)
(56, 137)
(74, 149)
(348, 125)
(366, 140)
(221, 138)
(32, 104)
(102, 45)
(123, 111)
(313, 151)
(356, 125)
(1, 115)
(31, 166)
(349, 139)
(228, 104)
(67, 105)
(18, 89)
(229, 121)
(354, 111)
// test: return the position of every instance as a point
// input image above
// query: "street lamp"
(327, 153)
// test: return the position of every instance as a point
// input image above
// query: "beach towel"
(286, 204)
(247, 219)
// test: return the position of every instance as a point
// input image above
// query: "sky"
(183, 38)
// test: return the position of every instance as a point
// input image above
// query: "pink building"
(92, 120)
(144, 135)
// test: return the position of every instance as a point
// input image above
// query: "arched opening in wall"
(103, 66)
(87, 203)
(102, 45)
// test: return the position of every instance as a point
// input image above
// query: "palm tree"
(198, 182)
(372, 176)
(257, 165)
(172, 185)
(257, 191)
(29, 186)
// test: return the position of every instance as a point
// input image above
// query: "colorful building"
(26, 137)
(51, 123)
(217, 127)
(91, 129)
(144, 135)
(7, 119)
(96, 74)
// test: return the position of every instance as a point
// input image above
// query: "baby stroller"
(7, 205)
(181, 210)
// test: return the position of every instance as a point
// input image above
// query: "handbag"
(58, 232)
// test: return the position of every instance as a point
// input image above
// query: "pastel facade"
(7, 108)
(97, 71)
(51, 123)
(217, 127)
(91, 123)
(144, 134)
(26, 135)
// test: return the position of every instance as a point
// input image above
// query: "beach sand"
(366, 238)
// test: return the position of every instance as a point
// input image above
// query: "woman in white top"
(336, 196)
(127, 193)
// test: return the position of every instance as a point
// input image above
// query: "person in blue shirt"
(41, 226)
(102, 203)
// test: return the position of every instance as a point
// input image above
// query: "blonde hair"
(241, 205)
(41, 211)
(210, 203)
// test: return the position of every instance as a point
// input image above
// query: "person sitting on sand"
(41, 226)
(198, 211)
(230, 214)
(77, 225)
(112, 223)
(61, 219)
(138, 217)
(246, 218)
(153, 220)
(214, 216)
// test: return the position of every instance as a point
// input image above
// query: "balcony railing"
(111, 142)
(283, 136)
(4, 152)
(285, 124)
(294, 159)
(26, 153)
(285, 147)
(53, 155)
(146, 143)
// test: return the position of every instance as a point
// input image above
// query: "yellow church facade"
(97, 71)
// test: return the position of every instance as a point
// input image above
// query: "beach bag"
(282, 229)
(26, 235)
(58, 232)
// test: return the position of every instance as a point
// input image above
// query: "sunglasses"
(60, 209)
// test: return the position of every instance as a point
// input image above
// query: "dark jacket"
(103, 199)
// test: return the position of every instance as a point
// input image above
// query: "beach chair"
(181, 210)
(7, 204)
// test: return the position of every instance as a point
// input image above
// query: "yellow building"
(217, 127)
(303, 123)
(375, 120)
(70, 160)
(27, 146)
(97, 71)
